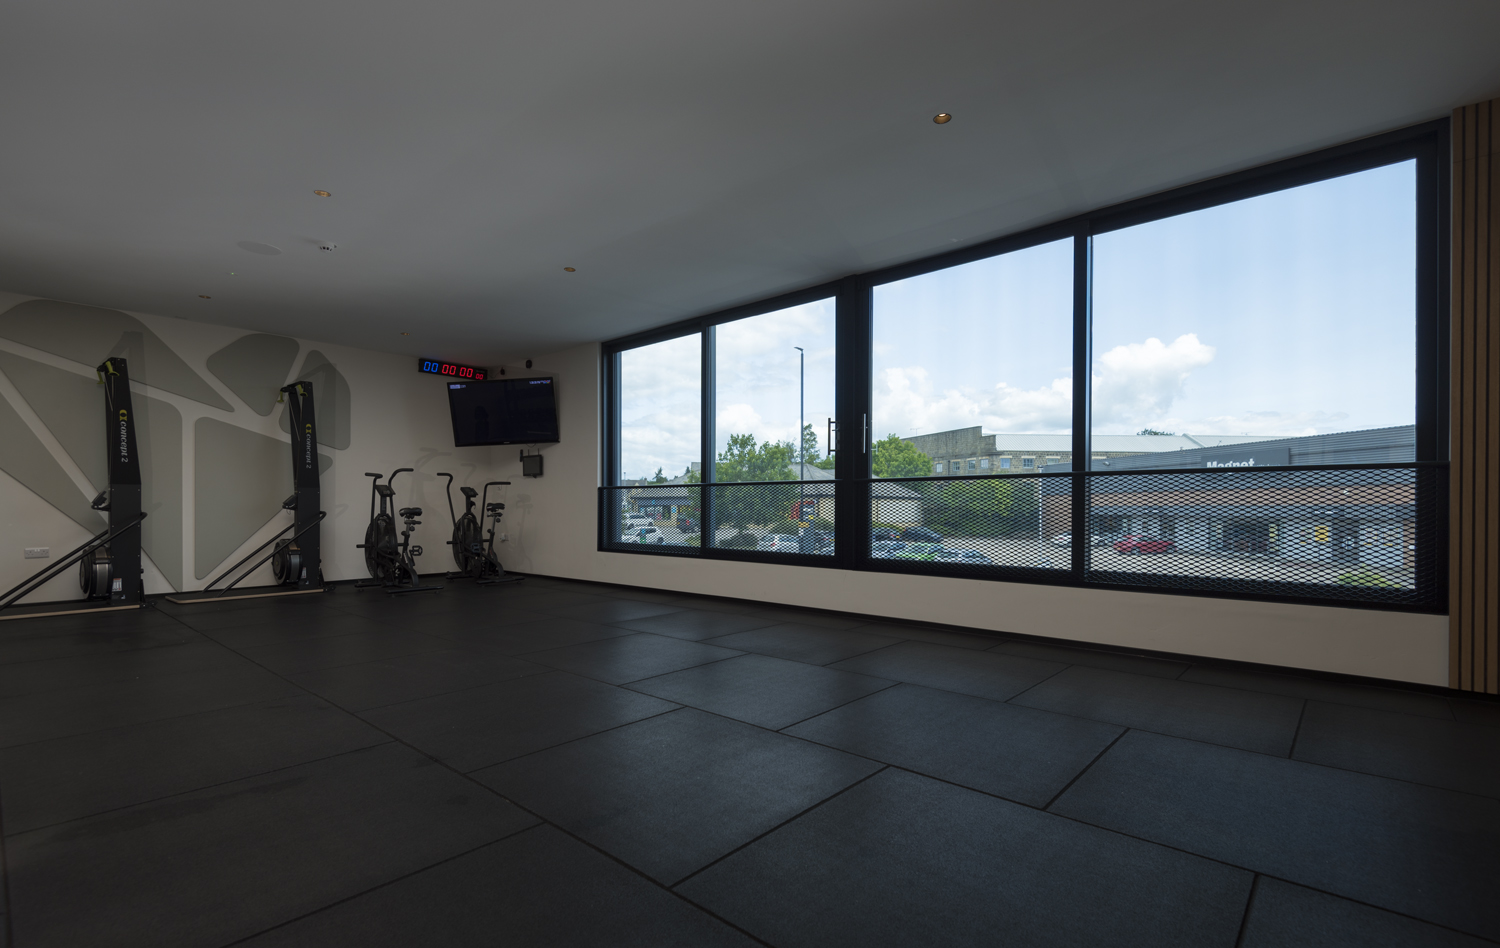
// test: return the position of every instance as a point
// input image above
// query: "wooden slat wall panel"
(1474, 599)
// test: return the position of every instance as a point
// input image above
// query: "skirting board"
(66, 609)
(189, 599)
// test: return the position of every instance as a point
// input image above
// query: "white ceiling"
(683, 155)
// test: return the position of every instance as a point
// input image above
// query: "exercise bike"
(391, 562)
(474, 556)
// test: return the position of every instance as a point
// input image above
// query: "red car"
(1136, 544)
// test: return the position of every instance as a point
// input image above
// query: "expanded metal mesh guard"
(1356, 534)
(1361, 534)
(751, 518)
(1364, 534)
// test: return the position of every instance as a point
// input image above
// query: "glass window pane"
(661, 409)
(1260, 332)
(975, 358)
(774, 378)
(767, 389)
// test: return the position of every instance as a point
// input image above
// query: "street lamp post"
(801, 445)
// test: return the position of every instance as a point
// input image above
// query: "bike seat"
(468, 492)
(494, 507)
(410, 512)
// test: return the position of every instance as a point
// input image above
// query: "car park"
(779, 543)
(644, 535)
(971, 557)
(635, 521)
(1136, 544)
(919, 535)
(879, 534)
(919, 551)
(1066, 539)
(886, 549)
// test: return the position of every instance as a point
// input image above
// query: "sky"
(1288, 314)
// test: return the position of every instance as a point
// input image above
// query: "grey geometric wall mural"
(87, 334)
(330, 397)
(158, 428)
(254, 367)
(240, 479)
(70, 405)
(27, 460)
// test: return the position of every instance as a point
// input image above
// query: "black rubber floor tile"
(672, 794)
(614, 610)
(1135, 664)
(71, 777)
(915, 633)
(966, 671)
(825, 620)
(486, 725)
(696, 624)
(1447, 754)
(210, 867)
(1411, 849)
(232, 615)
(31, 640)
(1484, 713)
(714, 604)
(1025, 755)
(95, 668)
(1368, 696)
(769, 692)
(814, 645)
(534, 636)
(279, 630)
(644, 595)
(904, 861)
(549, 601)
(1290, 916)
(1246, 719)
(539, 888)
(288, 657)
(631, 657)
(59, 713)
(394, 680)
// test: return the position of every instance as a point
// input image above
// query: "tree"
(752, 504)
(988, 507)
(897, 458)
(658, 477)
(1152, 431)
(810, 449)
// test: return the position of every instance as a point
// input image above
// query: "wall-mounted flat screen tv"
(503, 411)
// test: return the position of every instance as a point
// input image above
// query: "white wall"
(398, 418)
(553, 531)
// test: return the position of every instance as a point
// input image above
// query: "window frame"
(1427, 143)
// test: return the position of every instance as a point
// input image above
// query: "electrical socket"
(38, 552)
(504, 537)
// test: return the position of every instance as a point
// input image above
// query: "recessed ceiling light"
(942, 118)
(323, 194)
(571, 269)
(406, 334)
(202, 297)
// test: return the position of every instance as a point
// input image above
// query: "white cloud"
(1136, 384)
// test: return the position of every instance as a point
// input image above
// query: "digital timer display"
(452, 370)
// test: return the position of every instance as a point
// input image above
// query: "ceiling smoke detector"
(328, 248)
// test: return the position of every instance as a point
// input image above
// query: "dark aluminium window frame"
(1427, 143)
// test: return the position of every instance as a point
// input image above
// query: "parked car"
(779, 543)
(883, 533)
(635, 521)
(886, 549)
(644, 535)
(919, 535)
(972, 557)
(1135, 544)
(1108, 539)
